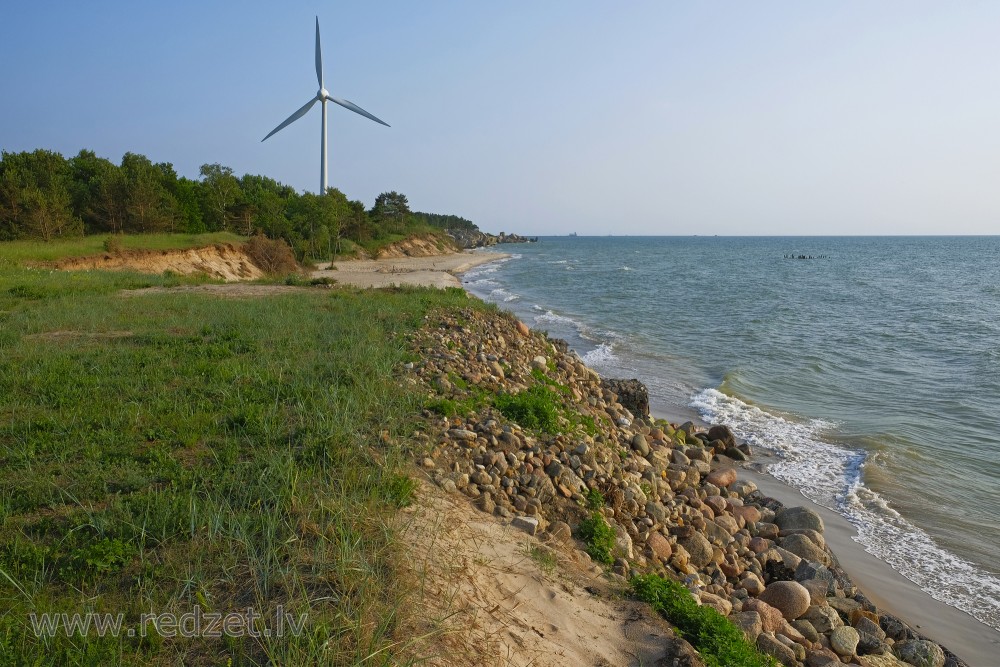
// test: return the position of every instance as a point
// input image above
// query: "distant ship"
(572, 233)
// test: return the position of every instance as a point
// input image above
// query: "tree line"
(46, 196)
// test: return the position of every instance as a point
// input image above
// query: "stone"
(920, 653)
(660, 546)
(767, 531)
(894, 629)
(824, 618)
(718, 603)
(800, 545)
(865, 624)
(748, 513)
(623, 542)
(699, 550)
(560, 531)
(806, 629)
(486, 503)
(722, 477)
(770, 618)
(789, 597)
(769, 644)
(844, 640)
(632, 394)
(462, 434)
(736, 454)
(844, 606)
(539, 363)
(522, 328)
(528, 524)
(752, 584)
(869, 644)
(449, 485)
(743, 487)
(723, 433)
(797, 518)
(749, 622)
(887, 660)
(823, 657)
(639, 444)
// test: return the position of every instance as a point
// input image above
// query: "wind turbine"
(322, 96)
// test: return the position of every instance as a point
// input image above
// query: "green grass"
(38, 251)
(599, 538)
(174, 450)
(536, 408)
(719, 641)
(373, 246)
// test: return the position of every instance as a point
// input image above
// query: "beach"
(436, 271)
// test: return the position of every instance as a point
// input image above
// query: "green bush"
(534, 408)
(595, 499)
(719, 641)
(599, 537)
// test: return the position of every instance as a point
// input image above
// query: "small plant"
(595, 499)
(599, 538)
(113, 245)
(272, 256)
(534, 408)
(545, 558)
(719, 641)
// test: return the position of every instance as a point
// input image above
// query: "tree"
(148, 204)
(391, 211)
(221, 191)
(35, 198)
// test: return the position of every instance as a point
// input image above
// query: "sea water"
(870, 369)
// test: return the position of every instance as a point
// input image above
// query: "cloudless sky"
(847, 117)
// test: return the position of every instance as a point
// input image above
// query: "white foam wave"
(602, 354)
(500, 294)
(548, 317)
(831, 475)
(626, 268)
(559, 261)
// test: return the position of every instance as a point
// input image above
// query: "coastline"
(432, 271)
(970, 639)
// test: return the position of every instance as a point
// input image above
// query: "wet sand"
(438, 271)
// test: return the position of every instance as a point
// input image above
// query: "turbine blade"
(356, 109)
(319, 58)
(294, 117)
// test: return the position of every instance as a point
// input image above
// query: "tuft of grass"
(595, 499)
(599, 538)
(719, 641)
(544, 557)
(535, 408)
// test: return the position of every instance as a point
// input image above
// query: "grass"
(536, 408)
(373, 246)
(19, 252)
(599, 538)
(719, 641)
(177, 451)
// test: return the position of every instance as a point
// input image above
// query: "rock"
(769, 644)
(920, 653)
(462, 434)
(759, 545)
(865, 624)
(789, 597)
(800, 545)
(752, 584)
(748, 513)
(540, 363)
(660, 546)
(639, 444)
(720, 604)
(770, 618)
(749, 622)
(699, 550)
(449, 485)
(887, 660)
(632, 394)
(722, 477)
(560, 531)
(797, 518)
(743, 487)
(844, 640)
(806, 629)
(768, 531)
(723, 433)
(528, 524)
(486, 503)
(869, 644)
(894, 629)
(623, 542)
(824, 618)
(735, 454)
(823, 657)
(523, 329)
(844, 606)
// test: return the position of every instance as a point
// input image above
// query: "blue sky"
(849, 117)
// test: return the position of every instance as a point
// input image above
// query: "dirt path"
(490, 594)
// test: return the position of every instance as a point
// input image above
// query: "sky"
(643, 118)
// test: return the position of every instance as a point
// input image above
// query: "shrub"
(595, 499)
(599, 537)
(113, 245)
(534, 408)
(719, 641)
(272, 256)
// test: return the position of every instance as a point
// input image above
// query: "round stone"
(790, 597)
(920, 652)
(799, 518)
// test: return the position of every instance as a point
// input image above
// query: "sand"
(437, 271)
(486, 593)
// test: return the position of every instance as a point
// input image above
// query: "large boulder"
(632, 394)
(844, 640)
(798, 518)
(920, 653)
(789, 597)
(723, 433)
(722, 477)
(771, 619)
(800, 545)
(699, 550)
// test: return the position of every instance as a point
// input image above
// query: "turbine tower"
(322, 96)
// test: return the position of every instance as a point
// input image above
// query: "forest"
(46, 196)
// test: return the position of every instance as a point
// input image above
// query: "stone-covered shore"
(673, 494)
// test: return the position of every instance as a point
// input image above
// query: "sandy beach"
(438, 271)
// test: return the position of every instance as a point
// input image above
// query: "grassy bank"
(175, 451)
(83, 246)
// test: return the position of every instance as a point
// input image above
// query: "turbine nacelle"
(323, 95)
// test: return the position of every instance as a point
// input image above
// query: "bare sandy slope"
(485, 596)
(437, 271)
(221, 260)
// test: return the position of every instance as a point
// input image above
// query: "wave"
(626, 268)
(500, 294)
(602, 354)
(832, 476)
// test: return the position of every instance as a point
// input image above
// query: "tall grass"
(179, 450)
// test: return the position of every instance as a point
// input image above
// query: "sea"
(867, 368)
